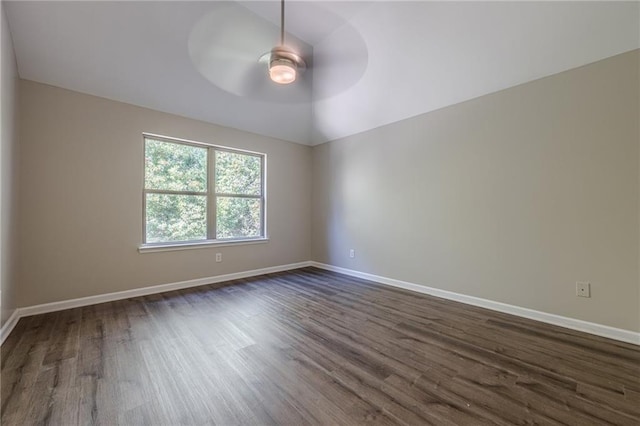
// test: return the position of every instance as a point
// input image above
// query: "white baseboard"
(571, 323)
(143, 291)
(9, 325)
(574, 324)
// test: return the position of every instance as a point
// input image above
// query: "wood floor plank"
(309, 347)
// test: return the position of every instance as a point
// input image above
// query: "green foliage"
(238, 217)
(180, 217)
(237, 174)
(176, 217)
(175, 167)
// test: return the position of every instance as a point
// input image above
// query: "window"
(195, 192)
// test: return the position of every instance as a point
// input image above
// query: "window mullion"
(257, 197)
(211, 195)
(173, 192)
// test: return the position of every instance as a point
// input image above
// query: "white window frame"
(211, 198)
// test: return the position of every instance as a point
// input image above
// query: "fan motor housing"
(282, 55)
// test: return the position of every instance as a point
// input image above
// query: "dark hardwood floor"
(309, 347)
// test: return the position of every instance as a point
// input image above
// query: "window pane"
(238, 217)
(238, 173)
(176, 217)
(174, 166)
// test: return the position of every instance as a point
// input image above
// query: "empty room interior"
(320, 212)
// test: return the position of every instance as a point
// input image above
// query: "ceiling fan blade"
(226, 43)
(339, 62)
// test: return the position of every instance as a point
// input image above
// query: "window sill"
(152, 248)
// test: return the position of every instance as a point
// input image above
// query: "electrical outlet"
(352, 253)
(218, 257)
(583, 289)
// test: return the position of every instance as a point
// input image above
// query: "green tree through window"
(196, 192)
(238, 182)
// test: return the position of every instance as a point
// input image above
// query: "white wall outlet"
(583, 289)
(352, 253)
(218, 257)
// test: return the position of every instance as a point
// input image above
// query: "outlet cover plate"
(583, 289)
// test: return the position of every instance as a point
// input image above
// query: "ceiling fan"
(284, 62)
(226, 47)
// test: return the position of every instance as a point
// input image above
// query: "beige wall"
(8, 168)
(512, 197)
(81, 198)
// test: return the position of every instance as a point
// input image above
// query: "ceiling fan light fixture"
(284, 63)
(282, 71)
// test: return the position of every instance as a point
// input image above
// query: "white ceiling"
(373, 62)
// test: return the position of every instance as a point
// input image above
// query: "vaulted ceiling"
(372, 63)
